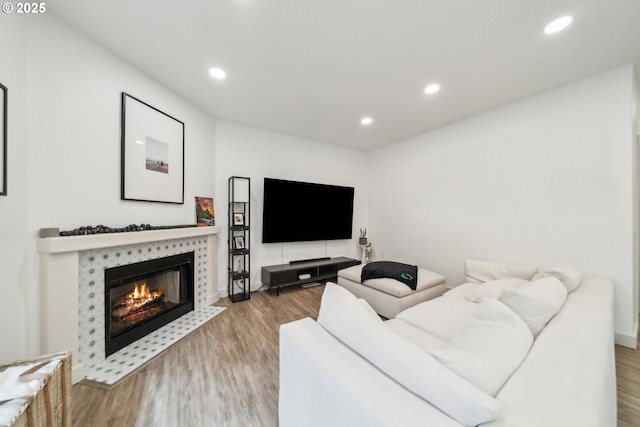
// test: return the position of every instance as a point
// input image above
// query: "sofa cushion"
(493, 288)
(569, 276)
(483, 271)
(444, 317)
(491, 347)
(354, 323)
(422, 339)
(462, 289)
(536, 302)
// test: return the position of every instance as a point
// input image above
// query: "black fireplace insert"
(144, 296)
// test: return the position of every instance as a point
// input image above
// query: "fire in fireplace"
(142, 297)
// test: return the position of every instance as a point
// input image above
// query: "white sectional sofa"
(451, 361)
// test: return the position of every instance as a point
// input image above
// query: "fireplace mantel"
(60, 272)
(54, 245)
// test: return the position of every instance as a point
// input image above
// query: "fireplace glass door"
(142, 297)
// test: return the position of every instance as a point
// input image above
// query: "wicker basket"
(50, 404)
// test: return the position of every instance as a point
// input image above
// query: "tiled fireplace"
(92, 294)
(142, 297)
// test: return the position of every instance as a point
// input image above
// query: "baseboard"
(212, 299)
(77, 372)
(222, 293)
(627, 340)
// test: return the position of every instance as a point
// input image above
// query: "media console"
(278, 276)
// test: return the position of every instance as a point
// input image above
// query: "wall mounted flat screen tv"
(302, 211)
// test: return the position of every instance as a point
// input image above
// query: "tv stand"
(315, 270)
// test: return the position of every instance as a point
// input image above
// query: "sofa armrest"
(324, 383)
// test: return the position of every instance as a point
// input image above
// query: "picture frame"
(152, 153)
(3, 143)
(238, 218)
(239, 242)
(205, 214)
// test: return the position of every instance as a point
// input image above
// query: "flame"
(142, 292)
(141, 295)
(140, 303)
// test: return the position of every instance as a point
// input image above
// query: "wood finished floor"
(226, 373)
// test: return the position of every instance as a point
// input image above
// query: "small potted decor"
(367, 252)
(363, 237)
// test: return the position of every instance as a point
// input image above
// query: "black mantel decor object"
(103, 229)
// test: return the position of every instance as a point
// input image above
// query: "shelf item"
(305, 272)
(239, 249)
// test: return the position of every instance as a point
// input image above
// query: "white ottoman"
(388, 297)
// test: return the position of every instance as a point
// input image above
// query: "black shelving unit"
(239, 266)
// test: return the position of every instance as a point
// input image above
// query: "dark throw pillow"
(405, 273)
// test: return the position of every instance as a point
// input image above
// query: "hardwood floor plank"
(226, 373)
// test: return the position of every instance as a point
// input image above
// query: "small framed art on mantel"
(205, 215)
(152, 156)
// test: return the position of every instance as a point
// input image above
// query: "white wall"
(544, 181)
(636, 191)
(13, 207)
(256, 153)
(74, 112)
(64, 163)
(65, 156)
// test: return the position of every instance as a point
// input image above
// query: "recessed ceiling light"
(558, 25)
(217, 73)
(431, 89)
(366, 121)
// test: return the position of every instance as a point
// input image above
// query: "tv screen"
(302, 211)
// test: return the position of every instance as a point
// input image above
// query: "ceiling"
(314, 68)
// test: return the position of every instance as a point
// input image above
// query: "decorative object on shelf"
(3, 135)
(205, 215)
(365, 244)
(103, 229)
(367, 251)
(152, 153)
(48, 232)
(238, 218)
(239, 242)
(239, 225)
(363, 237)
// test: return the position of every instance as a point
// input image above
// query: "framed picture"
(238, 219)
(205, 215)
(239, 242)
(3, 141)
(152, 153)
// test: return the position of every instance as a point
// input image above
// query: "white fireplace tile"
(92, 264)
